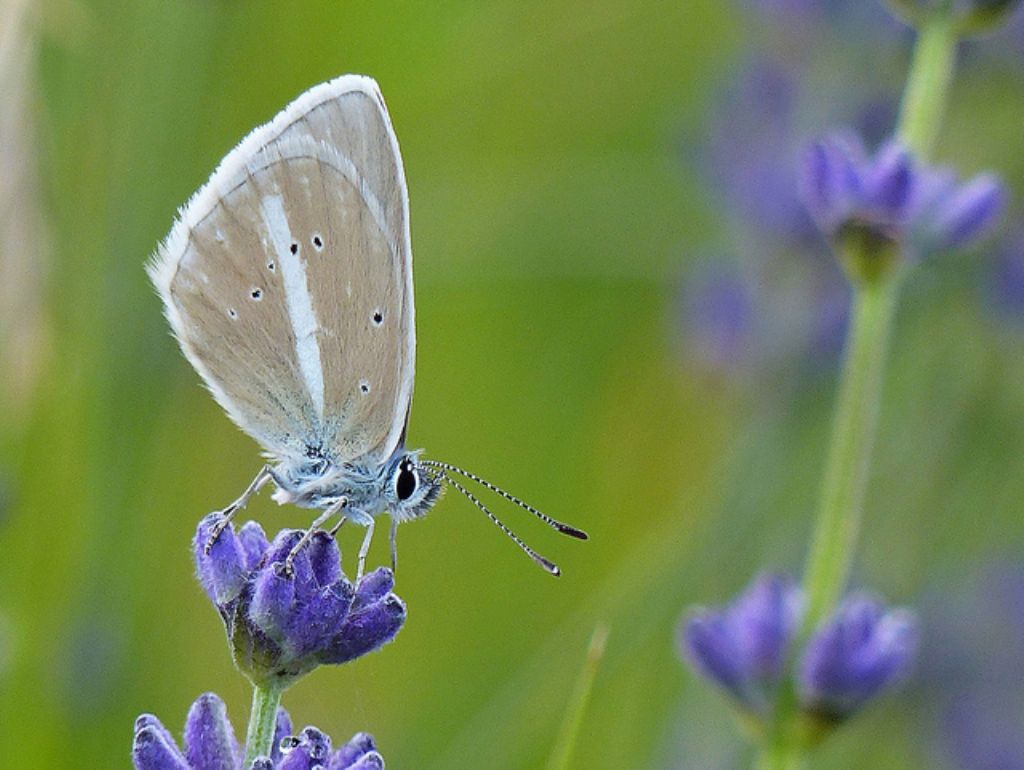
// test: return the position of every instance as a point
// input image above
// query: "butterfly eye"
(407, 481)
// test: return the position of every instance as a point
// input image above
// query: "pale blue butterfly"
(287, 280)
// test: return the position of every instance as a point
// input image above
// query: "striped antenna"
(558, 526)
(545, 563)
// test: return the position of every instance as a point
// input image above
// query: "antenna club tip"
(549, 566)
(579, 534)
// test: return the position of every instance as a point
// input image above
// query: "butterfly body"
(398, 487)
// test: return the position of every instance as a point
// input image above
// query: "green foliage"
(551, 217)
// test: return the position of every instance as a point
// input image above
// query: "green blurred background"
(554, 218)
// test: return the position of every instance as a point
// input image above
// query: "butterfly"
(287, 281)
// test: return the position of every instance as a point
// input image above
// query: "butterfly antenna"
(559, 526)
(547, 565)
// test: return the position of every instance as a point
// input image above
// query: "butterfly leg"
(337, 527)
(228, 513)
(365, 547)
(394, 545)
(332, 510)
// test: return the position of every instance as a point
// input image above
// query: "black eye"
(407, 481)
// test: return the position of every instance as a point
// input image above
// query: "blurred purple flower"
(949, 216)
(892, 201)
(210, 744)
(742, 648)
(719, 317)
(841, 186)
(281, 626)
(766, 317)
(972, 667)
(983, 733)
(860, 651)
(778, 301)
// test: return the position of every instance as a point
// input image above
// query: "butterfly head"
(411, 488)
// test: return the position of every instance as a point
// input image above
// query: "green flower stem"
(848, 463)
(259, 738)
(849, 456)
(925, 96)
(781, 755)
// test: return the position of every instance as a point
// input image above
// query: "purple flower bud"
(154, 747)
(360, 753)
(282, 625)
(858, 652)
(886, 203)
(209, 739)
(842, 186)
(743, 647)
(953, 217)
(210, 744)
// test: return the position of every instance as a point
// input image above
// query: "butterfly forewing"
(288, 281)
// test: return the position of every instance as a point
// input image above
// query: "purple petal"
(282, 730)
(209, 739)
(764, 619)
(310, 749)
(371, 761)
(347, 757)
(366, 630)
(295, 759)
(861, 650)
(743, 648)
(711, 650)
(302, 571)
(254, 543)
(319, 620)
(221, 571)
(317, 742)
(889, 182)
(325, 559)
(273, 602)
(153, 747)
(969, 211)
(829, 181)
(373, 587)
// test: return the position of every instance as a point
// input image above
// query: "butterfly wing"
(287, 278)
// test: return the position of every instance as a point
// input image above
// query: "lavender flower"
(886, 205)
(743, 647)
(971, 666)
(281, 625)
(311, 750)
(860, 651)
(210, 744)
(855, 654)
